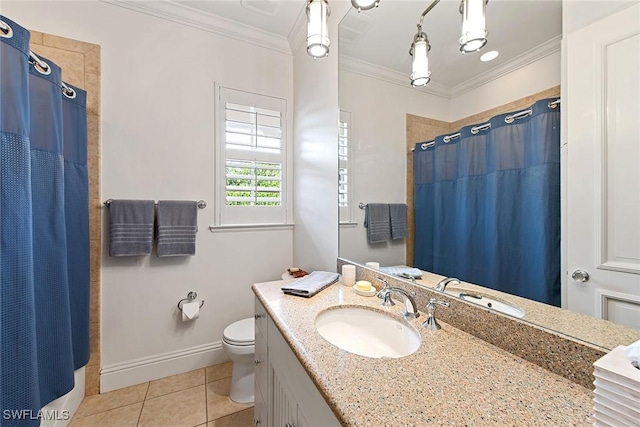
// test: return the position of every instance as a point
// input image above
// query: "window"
(251, 153)
(344, 136)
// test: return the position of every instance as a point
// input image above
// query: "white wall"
(316, 153)
(577, 14)
(532, 78)
(158, 143)
(379, 154)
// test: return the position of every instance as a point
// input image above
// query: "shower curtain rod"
(485, 126)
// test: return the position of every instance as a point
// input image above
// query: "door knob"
(580, 276)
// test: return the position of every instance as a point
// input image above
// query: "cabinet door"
(603, 209)
(283, 408)
(260, 414)
(262, 364)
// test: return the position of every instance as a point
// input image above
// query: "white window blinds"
(251, 158)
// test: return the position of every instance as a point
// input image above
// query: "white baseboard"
(59, 412)
(137, 371)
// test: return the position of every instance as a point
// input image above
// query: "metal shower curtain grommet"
(67, 91)
(424, 146)
(5, 30)
(40, 66)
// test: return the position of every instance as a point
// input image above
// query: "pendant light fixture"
(361, 5)
(474, 37)
(317, 29)
(420, 73)
(474, 33)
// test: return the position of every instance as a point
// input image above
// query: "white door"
(603, 168)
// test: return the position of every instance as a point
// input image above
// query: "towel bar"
(201, 203)
(362, 205)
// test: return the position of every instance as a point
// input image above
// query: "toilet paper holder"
(190, 297)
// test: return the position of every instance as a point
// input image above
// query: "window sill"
(249, 227)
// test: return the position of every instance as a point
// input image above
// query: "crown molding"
(388, 75)
(297, 35)
(195, 18)
(532, 55)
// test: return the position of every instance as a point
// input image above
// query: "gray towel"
(311, 284)
(402, 271)
(177, 227)
(376, 220)
(130, 227)
(398, 215)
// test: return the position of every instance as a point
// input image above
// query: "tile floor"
(196, 398)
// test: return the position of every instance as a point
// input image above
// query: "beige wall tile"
(93, 91)
(126, 416)
(218, 402)
(91, 380)
(95, 246)
(36, 38)
(94, 344)
(67, 44)
(113, 399)
(93, 135)
(94, 313)
(219, 371)
(186, 408)
(92, 60)
(175, 383)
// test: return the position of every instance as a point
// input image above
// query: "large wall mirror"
(383, 117)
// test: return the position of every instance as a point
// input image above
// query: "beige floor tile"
(219, 371)
(218, 402)
(239, 419)
(186, 408)
(113, 399)
(175, 383)
(125, 416)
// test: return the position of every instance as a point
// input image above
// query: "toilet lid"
(241, 332)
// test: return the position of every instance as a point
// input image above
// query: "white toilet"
(239, 343)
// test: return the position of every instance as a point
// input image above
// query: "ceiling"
(514, 26)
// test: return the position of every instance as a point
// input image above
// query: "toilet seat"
(240, 333)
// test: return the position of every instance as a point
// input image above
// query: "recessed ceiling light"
(489, 56)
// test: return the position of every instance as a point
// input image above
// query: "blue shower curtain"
(487, 205)
(44, 257)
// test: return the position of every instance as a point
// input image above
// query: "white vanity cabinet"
(285, 395)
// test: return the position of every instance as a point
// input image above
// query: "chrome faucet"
(442, 284)
(385, 287)
(431, 322)
(409, 301)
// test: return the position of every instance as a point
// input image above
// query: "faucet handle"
(380, 294)
(431, 322)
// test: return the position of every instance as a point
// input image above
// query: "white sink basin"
(367, 333)
(487, 302)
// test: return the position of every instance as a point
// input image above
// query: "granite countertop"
(597, 332)
(452, 379)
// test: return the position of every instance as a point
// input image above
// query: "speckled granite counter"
(453, 378)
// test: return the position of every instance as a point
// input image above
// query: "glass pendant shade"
(474, 33)
(317, 29)
(364, 4)
(420, 73)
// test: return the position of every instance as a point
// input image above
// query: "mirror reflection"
(482, 193)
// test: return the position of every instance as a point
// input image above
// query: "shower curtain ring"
(5, 30)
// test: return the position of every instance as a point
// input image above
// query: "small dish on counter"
(371, 292)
